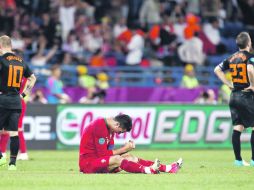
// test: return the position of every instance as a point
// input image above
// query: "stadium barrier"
(40, 126)
(154, 126)
(141, 94)
(129, 76)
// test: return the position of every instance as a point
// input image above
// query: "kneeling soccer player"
(96, 156)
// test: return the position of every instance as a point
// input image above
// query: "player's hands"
(133, 144)
(248, 89)
(128, 146)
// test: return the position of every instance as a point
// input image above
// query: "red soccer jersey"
(23, 83)
(96, 140)
(23, 104)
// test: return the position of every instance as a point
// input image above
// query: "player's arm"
(102, 149)
(221, 75)
(29, 85)
(31, 79)
(250, 70)
(126, 148)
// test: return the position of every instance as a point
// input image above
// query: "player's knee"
(116, 160)
(13, 133)
(130, 157)
(126, 155)
(119, 159)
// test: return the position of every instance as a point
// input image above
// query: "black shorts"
(9, 119)
(242, 108)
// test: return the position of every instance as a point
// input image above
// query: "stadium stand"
(118, 37)
(128, 76)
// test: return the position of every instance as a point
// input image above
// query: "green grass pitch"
(202, 169)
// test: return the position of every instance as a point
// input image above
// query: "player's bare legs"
(238, 129)
(252, 147)
(118, 161)
(170, 168)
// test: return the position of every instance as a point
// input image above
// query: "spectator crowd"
(111, 33)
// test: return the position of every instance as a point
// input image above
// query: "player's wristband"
(23, 95)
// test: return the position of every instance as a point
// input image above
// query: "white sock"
(168, 168)
(148, 170)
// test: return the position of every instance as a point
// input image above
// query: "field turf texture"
(202, 169)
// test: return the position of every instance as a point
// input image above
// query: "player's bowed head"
(120, 123)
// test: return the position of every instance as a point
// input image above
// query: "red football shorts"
(94, 165)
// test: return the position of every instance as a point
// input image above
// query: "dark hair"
(125, 121)
(242, 40)
(99, 94)
(205, 95)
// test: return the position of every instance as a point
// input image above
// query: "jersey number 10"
(15, 76)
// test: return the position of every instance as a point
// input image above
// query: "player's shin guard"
(14, 148)
(22, 142)
(236, 144)
(252, 145)
(3, 142)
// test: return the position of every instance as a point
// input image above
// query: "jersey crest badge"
(101, 140)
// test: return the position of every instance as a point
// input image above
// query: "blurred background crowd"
(98, 42)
